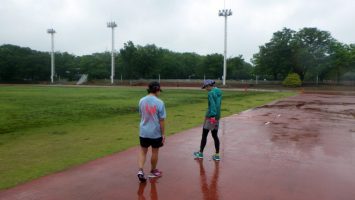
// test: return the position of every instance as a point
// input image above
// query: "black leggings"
(204, 139)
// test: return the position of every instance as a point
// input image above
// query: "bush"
(292, 80)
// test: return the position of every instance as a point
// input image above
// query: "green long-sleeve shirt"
(214, 103)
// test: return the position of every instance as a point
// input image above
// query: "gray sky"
(178, 25)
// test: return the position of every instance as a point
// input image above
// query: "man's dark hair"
(154, 87)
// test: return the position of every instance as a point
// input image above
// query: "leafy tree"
(292, 80)
(309, 52)
(311, 48)
(18, 64)
(352, 57)
(339, 62)
(127, 59)
(147, 61)
(133, 62)
(239, 69)
(190, 62)
(212, 66)
(275, 57)
(97, 66)
(66, 65)
(171, 66)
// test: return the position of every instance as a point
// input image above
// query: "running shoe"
(141, 176)
(155, 173)
(198, 155)
(216, 157)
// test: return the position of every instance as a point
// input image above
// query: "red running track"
(302, 147)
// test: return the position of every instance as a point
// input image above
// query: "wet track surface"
(302, 147)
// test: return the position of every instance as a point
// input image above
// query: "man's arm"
(162, 128)
(162, 116)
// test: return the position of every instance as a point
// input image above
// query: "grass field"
(48, 129)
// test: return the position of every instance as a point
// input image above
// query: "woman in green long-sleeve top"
(212, 117)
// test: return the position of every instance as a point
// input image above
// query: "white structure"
(112, 25)
(83, 79)
(52, 31)
(225, 13)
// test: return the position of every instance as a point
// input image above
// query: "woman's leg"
(204, 139)
(216, 139)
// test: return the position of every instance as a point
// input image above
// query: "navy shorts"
(154, 142)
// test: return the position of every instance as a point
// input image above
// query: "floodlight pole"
(112, 25)
(225, 13)
(52, 31)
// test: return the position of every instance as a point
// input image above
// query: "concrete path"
(302, 147)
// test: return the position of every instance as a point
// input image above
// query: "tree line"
(311, 53)
(18, 64)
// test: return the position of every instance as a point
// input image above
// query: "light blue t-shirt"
(152, 110)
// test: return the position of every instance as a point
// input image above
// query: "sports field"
(48, 129)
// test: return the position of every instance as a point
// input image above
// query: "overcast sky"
(178, 25)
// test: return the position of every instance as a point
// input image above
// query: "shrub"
(292, 80)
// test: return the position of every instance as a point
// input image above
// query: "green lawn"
(48, 129)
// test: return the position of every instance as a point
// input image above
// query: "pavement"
(302, 147)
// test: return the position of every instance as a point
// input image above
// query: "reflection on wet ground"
(208, 183)
(209, 190)
(153, 194)
(302, 147)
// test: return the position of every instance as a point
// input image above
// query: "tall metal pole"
(52, 31)
(113, 56)
(225, 13)
(112, 25)
(225, 52)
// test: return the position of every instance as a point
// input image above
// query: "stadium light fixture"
(112, 25)
(52, 32)
(225, 13)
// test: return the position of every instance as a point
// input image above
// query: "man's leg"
(142, 157)
(216, 140)
(156, 144)
(141, 160)
(154, 159)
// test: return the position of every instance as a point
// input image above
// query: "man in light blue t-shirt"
(151, 129)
